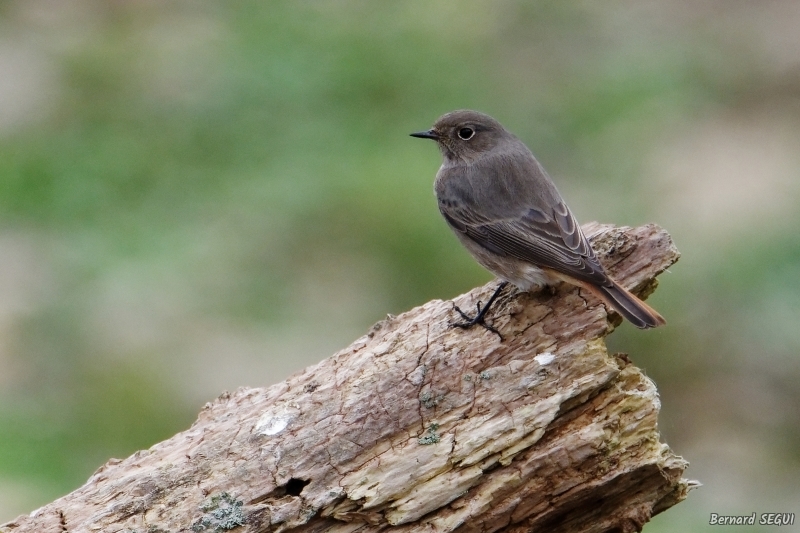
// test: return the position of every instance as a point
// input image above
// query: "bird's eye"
(466, 133)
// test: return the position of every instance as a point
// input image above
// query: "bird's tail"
(629, 306)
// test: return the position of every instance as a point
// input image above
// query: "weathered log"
(421, 426)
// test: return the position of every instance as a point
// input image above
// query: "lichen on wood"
(421, 426)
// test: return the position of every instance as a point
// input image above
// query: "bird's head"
(465, 135)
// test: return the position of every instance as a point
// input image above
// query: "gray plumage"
(507, 212)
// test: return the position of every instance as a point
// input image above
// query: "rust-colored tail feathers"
(629, 306)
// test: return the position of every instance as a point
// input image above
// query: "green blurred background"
(198, 196)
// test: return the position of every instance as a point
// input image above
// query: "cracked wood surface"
(419, 426)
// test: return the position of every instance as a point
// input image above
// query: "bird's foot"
(471, 321)
(480, 317)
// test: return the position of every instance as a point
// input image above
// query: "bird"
(505, 209)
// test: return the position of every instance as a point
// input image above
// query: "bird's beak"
(430, 134)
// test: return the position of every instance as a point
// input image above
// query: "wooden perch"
(418, 426)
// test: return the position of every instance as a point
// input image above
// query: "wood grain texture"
(418, 426)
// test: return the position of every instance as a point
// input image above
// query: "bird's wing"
(551, 239)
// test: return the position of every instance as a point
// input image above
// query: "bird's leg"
(481, 315)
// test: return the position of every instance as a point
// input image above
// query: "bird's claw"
(479, 318)
(471, 321)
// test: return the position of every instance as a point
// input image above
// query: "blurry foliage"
(237, 163)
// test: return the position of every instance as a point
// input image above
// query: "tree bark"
(421, 426)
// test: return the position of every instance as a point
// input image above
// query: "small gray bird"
(507, 212)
